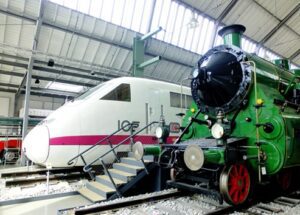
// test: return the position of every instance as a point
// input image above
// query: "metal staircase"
(124, 175)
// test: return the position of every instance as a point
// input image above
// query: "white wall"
(7, 109)
(36, 102)
(39, 102)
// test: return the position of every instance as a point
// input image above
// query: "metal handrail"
(70, 162)
(88, 168)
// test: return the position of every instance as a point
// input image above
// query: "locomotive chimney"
(232, 34)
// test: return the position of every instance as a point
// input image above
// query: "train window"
(175, 100)
(120, 93)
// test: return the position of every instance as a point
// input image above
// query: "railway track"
(178, 203)
(279, 205)
(166, 202)
(24, 175)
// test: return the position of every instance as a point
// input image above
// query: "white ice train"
(98, 113)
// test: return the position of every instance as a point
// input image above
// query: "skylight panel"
(129, 9)
(184, 29)
(83, 5)
(95, 8)
(107, 10)
(164, 18)
(137, 15)
(65, 87)
(148, 5)
(208, 38)
(71, 4)
(191, 35)
(197, 35)
(202, 36)
(156, 15)
(171, 22)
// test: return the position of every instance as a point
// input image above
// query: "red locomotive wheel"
(235, 184)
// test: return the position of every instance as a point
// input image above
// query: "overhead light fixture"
(51, 63)
(37, 81)
(193, 23)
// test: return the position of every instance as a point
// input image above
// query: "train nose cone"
(36, 144)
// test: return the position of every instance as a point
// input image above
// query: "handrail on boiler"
(88, 168)
(71, 161)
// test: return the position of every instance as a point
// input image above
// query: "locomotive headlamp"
(162, 133)
(217, 131)
(193, 110)
(159, 132)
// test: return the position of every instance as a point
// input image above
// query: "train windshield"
(120, 93)
(90, 92)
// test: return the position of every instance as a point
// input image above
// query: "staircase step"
(104, 179)
(133, 161)
(90, 195)
(146, 157)
(121, 175)
(127, 167)
(100, 189)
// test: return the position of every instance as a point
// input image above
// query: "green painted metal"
(138, 57)
(279, 148)
(149, 62)
(233, 39)
(296, 71)
(214, 156)
(16, 121)
(152, 150)
(282, 63)
(139, 62)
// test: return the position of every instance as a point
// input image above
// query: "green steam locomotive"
(243, 127)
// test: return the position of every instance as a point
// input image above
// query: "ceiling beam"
(226, 11)
(88, 71)
(9, 85)
(38, 90)
(72, 30)
(271, 14)
(54, 71)
(52, 92)
(47, 94)
(7, 90)
(14, 57)
(213, 19)
(32, 19)
(294, 55)
(18, 74)
(281, 23)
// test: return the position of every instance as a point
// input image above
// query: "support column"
(29, 74)
(139, 54)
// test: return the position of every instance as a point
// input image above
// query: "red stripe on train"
(93, 139)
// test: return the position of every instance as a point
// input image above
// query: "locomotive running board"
(196, 189)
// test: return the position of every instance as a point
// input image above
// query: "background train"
(101, 111)
(243, 127)
(9, 149)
